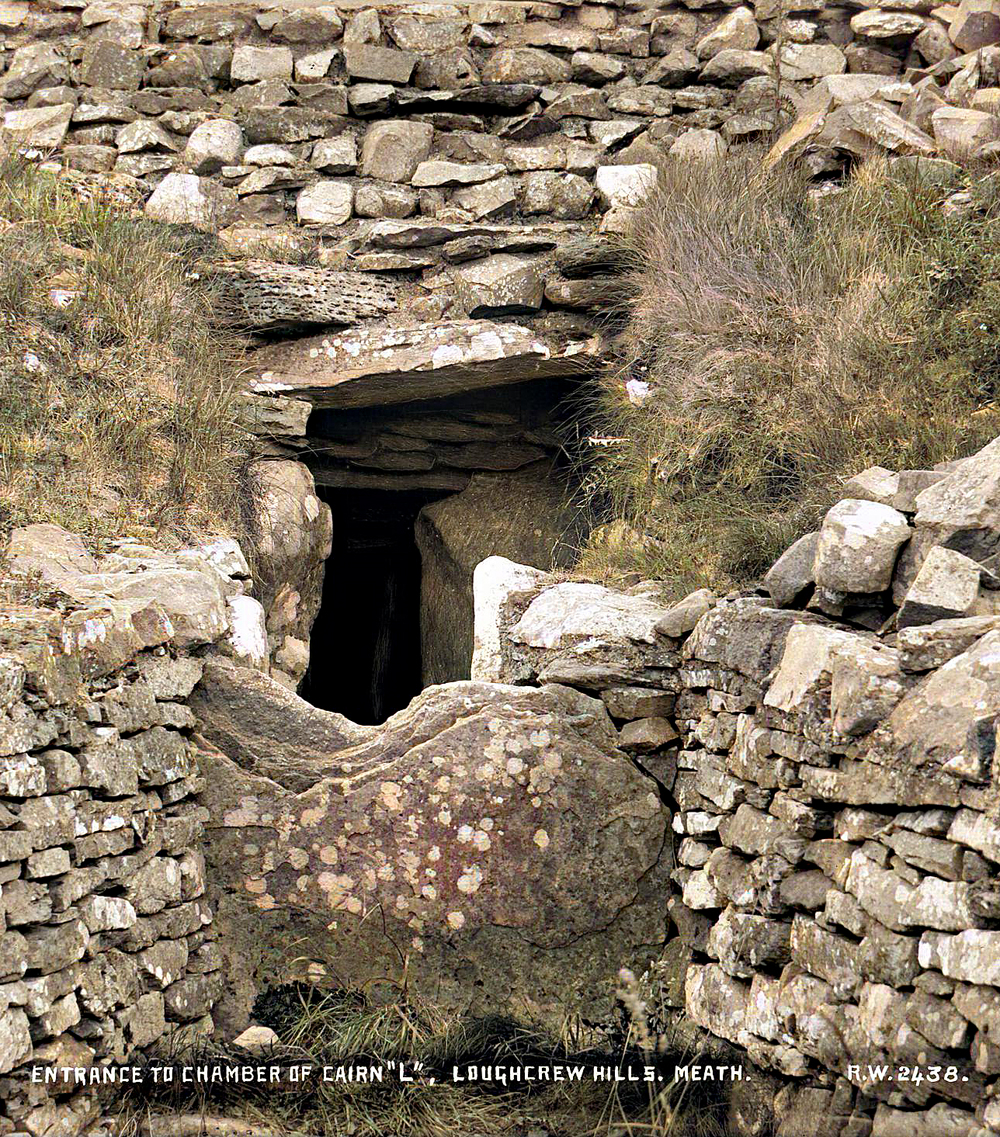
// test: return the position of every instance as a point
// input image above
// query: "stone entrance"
(419, 493)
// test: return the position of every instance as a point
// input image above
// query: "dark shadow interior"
(365, 646)
(377, 467)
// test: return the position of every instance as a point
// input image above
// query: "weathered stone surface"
(42, 128)
(625, 185)
(461, 904)
(262, 295)
(857, 547)
(792, 573)
(801, 682)
(947, 720)
(866, 683)
(393, 150)
(961, 131)
(716, 1001)
(743, 635)
(379, 64)
(946, 585)
(252, 64)
(962, 510)
(737, 30)
(926, 647)
(327, 202)
(459, 533)
(292, 533)
(417, 362)
(212, 145)
(186, 199)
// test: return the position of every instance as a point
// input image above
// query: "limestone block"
(379, 64)
(798, 62)
(858, 545)
(212, 145)
(960, 131)
(699, 146)
(111, 66)
(866, 682)
(325, 203)
(499, 285)
(737, 30)
(321, 24)
(186, 199)
(733, 66)
(946, 586)
(947, 720)
(801, 683)
(437, 172)
(337, 156)
(792, 573)
(743, 943)
(716, 1001)
(42, 128)
(393, 150)
(33, 65)
(253, 64)
(625, 185)
(565, 196)
(525, 65)
(877, 23)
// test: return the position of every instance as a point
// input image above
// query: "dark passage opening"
(365, 644)
(397, 605)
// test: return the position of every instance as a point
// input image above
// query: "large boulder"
(523, 515)
(291, 530)
(488, 840)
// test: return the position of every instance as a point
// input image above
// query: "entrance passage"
(420, 493)
(365, 659)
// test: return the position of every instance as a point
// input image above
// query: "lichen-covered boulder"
(491, 836)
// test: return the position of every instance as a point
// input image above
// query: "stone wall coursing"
(106, 941)
(376, 128)
(827, 752)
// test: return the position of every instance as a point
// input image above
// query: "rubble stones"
(858, 545)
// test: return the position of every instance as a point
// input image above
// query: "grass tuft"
(789, 340)
(117, 401)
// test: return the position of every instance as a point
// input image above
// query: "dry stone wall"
(106, 940)
(463, 143)
(826, 749)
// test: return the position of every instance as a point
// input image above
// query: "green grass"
(117, 401)
(790, 341)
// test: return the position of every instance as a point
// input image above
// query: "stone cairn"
(826, 748)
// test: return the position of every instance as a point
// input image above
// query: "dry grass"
(117, 408)
(327, 1028)
(788, 343)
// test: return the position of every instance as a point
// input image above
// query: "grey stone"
(392, 151)
(946, 586)
(437, 172)
(212, 145)
(42, 128)
(866, 683)
(379, 64)
(926, 647)
(858, 545)
(336, 156)
(186, 199)
(503, 284)
(947, 720)
(325, 203)
(792, 573)
(563, 195)
(874, 484)
(252, 64)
